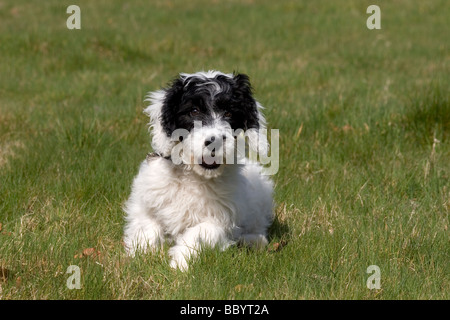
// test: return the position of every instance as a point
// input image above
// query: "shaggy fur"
(196, 189)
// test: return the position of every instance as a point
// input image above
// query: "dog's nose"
(210, 140)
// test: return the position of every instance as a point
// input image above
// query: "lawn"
(364, 123)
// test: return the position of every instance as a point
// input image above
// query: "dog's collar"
(154, 154)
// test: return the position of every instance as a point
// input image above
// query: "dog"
(196, 189)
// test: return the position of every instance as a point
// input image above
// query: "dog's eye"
(195, 112)
(227, 114)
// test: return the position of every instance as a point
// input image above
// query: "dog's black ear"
(243, 94)
(172, 101)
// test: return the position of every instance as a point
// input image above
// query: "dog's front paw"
(179, 264)
(180, 257)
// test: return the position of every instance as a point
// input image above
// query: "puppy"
(198, 188)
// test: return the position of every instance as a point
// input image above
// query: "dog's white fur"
(191, 206)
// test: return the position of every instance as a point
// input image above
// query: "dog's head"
(197, 119)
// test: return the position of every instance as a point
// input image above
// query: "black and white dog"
(198, 188)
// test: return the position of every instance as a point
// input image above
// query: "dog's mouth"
(211, 166)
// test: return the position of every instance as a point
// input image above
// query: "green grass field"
(364, 120)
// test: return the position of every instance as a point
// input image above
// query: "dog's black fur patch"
(198, 98)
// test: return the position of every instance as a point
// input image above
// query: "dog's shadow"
(279, 234)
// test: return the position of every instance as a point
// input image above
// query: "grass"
(364, 145)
